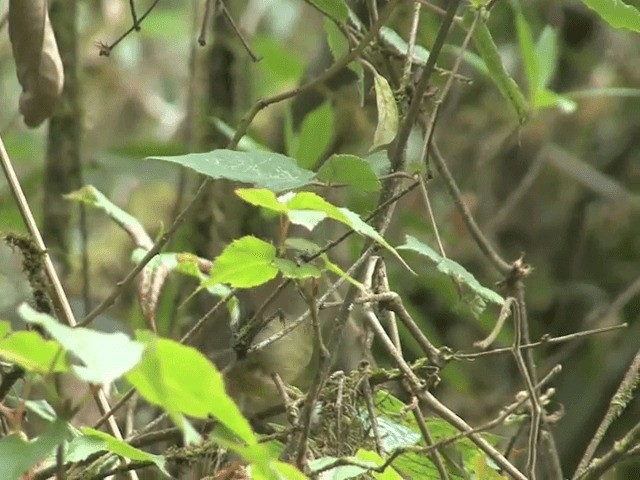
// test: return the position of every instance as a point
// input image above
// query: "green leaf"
(302, 208)
(392, 39)
(310, 202)
(42, 409)
(449, 267)
(33, 353)
(387, 126)
(349, 169)
(5, 328)
(379, 162)
(18, 455)
(399, 429)
(269, 170)
(287, 471)
(261, 197)
(302, 245)
(339, 47)
(489, 52)
(187, 264)
(338, 43)
(336, 9)
(94, 349)
(616, 13)
(283, 64)
(90, 195)
(121, 448)
(414, 465)
(342, 472)
(396, 435)
(246, 263)
(547, 99)
(372, 457)
(547, 54)
(308, 219)
(314, 136)
(182, 380)
(292, 270)
(367, 230)
(332, 267)
(527, 50)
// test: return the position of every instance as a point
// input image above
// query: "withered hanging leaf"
(38, 62)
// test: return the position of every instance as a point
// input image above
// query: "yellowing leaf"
(387, 127)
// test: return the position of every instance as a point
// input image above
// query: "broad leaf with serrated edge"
(246, 263)
(95, 349)
(449, 267)
(352, 170)
(265, 169)
(387, 126)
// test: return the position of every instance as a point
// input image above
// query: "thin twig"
(599, 466)
(105, 49)
(298, 321)
(411, 43)
(504, 314)
(618, 403)
(434, 404)
(436, 456)
(210, 6)
(60, 297)
(318, 382)
(367, 393)
(280, 288)
(243, 40)
(482, 242)
(326, 75)
(397, 152)
(518, 192)
(536, 409)
(339, 396)
(152, 252)
(543, 342)
(397, 306)
(389, 318)
(134, 16)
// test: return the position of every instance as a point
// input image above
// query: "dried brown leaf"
(38, 62)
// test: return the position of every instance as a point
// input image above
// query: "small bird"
(249, 380)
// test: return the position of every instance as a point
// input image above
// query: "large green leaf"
(182, 380)
(290, 269)
(339, 46)
(616, 13)
(314, 136)
(90, 195)
(102, 441)
(352, 170)
(387, 126)
(94, 349)
(527, 50)
(18, 455)
(488, 50)
(282, 64)
(310, 202)
(33, 353)
(269, 170)
(449, 267)
(246, 263)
